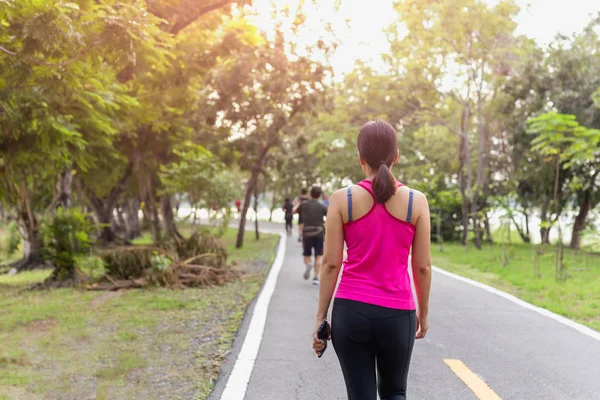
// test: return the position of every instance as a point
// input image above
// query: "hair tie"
(382, 163)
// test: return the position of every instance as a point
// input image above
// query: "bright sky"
(363, 38)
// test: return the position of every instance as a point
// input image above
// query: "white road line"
(559, 318)
(242, 370)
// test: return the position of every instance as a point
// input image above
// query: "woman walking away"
(374, 322)
(288, 208)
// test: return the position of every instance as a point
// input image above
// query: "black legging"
(365, 336)
(288, 223)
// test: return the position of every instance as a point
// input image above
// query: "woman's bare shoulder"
(338, 195)
(419, 198)
(418, 194)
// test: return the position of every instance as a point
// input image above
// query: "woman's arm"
(421, 264)
(332, 256)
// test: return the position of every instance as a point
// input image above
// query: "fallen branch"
(119, 285)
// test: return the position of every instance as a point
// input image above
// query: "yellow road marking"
(473, 382)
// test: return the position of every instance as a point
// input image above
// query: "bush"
(214, 253)
(137, 262)
(91, 265)
(12, 241)
(65, 236)
(127, 263)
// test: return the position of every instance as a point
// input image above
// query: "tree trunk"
(250, 188)
(247, 198)
(464, 210)
(154, 220)
(580, 219)
(488, 231)
(132, 219)
(476, 222)
(526, 215)
(273, 205)
(32, 242)
(105, 219)
(440, 238)
(104, 207)
(467, 156)
(256, 212)
(150, 208)
(481, 164)
(544, 230)
(64, 188)
(559, 264)
(169, 217)
(522, 234)
(463, 155)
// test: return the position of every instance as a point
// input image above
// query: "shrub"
(65, 236)
(127, 263)
(91, 265)
(138, 262)
(12, 241)
(214, 253)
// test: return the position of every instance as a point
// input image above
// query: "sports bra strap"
(410, 204)
(349, 203)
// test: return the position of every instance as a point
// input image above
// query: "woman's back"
(374, 321)
(379, 237)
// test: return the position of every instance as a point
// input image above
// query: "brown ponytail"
(384, 184)
(378, 146)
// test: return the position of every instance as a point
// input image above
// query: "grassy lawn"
(150, 344)
(577, 298)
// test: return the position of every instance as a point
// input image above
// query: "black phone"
(323, 334)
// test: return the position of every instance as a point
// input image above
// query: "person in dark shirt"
(313, 232)
(288, 208)
(300, 200)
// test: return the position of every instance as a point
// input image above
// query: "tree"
(565, 143)
(169, 84)
(364, 94)
(203, 180)
(574, 63)
(467, 42)
(561, 79)
(266, 88)
(293, 167)
(522, 95)
(54, 99)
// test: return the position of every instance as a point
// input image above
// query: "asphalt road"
(517, 352)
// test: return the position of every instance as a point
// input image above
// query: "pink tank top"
(376, 269)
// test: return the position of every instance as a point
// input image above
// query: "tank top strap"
(349, 191)
(410, 205)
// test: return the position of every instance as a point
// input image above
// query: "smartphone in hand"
(323, 333)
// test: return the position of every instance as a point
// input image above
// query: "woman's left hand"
(318, 344)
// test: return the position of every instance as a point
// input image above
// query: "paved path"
(519, 353)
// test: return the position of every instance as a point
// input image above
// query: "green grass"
(25, 278)
(577, 298)
(150, 344)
